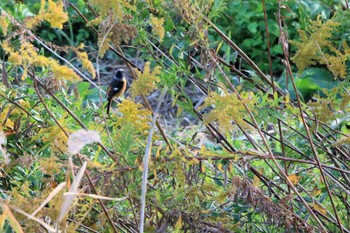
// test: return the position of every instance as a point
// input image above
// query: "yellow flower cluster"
(317, 47)
(146, 81)
(227, 107)
(27, 56)
(158, 28)
(56, 138)
(133, 113)
(87, 64)
(3, 25)
(53, 14)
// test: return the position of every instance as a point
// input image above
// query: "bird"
(116, 87)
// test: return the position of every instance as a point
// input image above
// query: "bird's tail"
(109, 106)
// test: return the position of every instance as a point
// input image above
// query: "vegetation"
(236, 116)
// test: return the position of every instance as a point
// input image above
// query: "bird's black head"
(119, 74)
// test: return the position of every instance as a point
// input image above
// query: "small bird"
(116, 87)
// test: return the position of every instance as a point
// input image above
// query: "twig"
(268, 44)
(146, 161)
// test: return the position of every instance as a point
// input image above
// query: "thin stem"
(146, 161)
(268, 45)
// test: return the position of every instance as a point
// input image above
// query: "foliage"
(226, 107)
(54, 14)
(146, 82)
(318, 48)
(233, 150)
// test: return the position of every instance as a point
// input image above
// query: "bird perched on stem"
(116, 87)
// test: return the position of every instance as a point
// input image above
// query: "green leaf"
(180, 197)
(196, 201)
(169, 24)
(83, 88)
(252, 27)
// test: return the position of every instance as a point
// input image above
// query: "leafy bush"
(203, 140)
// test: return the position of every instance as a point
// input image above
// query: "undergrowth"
(243, 151)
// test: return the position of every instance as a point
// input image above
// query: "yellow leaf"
(316, 191)
(256, 179)
(196, 160)
(287, 99)
(275, 96)
(319, 208)
(254, 153)
(178, 224)
(189, 163)
(294, 179)
(202, 167)
(158, 151)
(175, 152)
(220, 167)
(219, 46)
(155, 174)
(179, 111)
(230, 167)
(174, 101)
